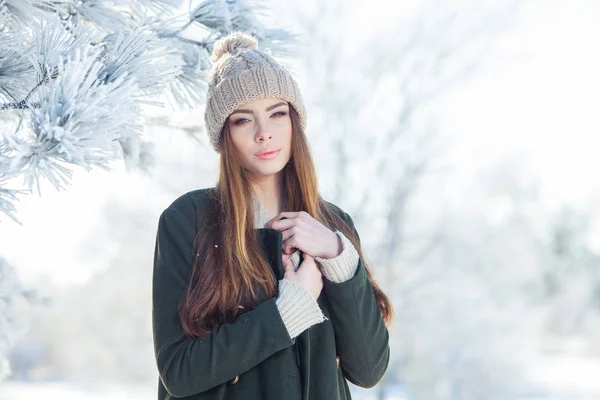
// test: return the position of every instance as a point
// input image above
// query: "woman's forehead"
(261, 104)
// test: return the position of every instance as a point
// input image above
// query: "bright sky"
(546, 104)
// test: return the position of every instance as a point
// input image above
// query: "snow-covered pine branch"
(75, 74)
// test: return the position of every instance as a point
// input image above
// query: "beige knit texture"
(343, 267)
(299, 309)
(242, 73)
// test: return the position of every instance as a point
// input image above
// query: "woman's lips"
(268, 156)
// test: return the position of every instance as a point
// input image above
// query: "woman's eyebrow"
(268, 108)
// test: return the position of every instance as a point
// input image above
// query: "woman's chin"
(266, 170)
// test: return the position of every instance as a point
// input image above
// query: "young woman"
(260, 288)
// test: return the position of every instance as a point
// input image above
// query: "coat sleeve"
(190, 366)
(362, 339)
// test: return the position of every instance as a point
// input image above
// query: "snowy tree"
(468, 321)
(76, 78)
(78, 73)
(571, 278)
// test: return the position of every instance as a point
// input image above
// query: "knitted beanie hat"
(242, 73)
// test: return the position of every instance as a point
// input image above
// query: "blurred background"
(461, 136)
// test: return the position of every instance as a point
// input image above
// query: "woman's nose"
(262, 133)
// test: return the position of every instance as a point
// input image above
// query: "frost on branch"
(75, 76)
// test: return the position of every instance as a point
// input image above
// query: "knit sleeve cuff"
(298, 308)
(343, 267)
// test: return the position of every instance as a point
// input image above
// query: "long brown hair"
(229, 268)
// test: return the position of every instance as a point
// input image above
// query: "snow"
(97, 391)
(70, 391)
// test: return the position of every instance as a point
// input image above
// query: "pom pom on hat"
(231, 43)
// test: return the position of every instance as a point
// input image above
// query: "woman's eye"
(240, 121)
(243, 120)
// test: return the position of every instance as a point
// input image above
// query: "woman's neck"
(270, 193)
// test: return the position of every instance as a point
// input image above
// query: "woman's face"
(262, 126)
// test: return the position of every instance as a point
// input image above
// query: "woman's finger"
(289, 250)
(288, 266)
(290, 245)
(286, 214)
(288, 233)
(281, 224)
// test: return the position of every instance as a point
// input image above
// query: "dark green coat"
(254, 358)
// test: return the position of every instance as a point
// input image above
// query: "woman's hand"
(301, 231)
(308, 275)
